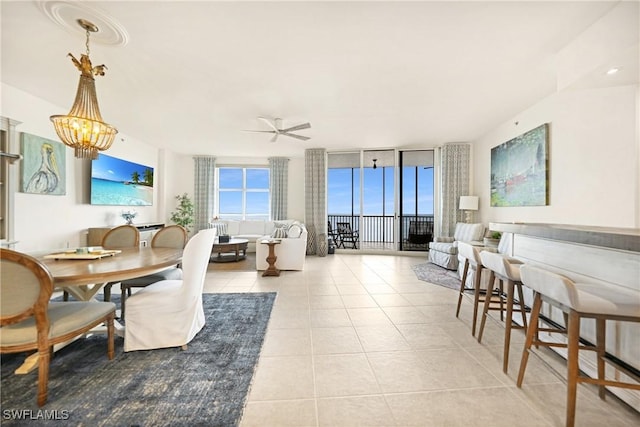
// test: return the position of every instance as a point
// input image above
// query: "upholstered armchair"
(443, 251)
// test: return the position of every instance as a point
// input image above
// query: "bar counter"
(586, 255)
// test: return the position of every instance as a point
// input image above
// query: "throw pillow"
(295, 231)
(220, 226)
(279, 233)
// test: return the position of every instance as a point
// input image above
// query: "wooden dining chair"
(123, 236)
(172, 236)
(30, 321)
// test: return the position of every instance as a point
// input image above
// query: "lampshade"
(83, 128)
(468, 203)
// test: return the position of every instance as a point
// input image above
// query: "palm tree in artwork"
(148, 177)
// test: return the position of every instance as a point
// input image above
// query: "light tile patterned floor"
(357, 340)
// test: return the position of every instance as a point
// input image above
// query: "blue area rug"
(206, 385)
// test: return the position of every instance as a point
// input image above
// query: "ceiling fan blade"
(303, 138)
(298, 127)
(260, 131)
(275, 137)
(269, 123)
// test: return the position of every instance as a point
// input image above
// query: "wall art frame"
(520, 170)
(43, 166)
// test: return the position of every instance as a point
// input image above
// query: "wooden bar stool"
(472, 262)
(602, 302)
(503, 270)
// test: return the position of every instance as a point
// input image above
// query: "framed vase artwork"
(519, 170)
(43, 166)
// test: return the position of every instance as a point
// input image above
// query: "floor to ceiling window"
(360, 195)
(242, 193)
(416, 199)
(385, 206)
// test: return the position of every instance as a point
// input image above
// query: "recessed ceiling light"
(612, 71)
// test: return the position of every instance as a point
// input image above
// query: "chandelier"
(83, 128)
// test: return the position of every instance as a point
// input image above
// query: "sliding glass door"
(384, 198)
(361, 199)
(416, 199)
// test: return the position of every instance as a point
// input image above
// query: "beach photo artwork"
(519, 174)
(43, 166)
(120, 182)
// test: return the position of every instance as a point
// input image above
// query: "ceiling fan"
(277, 130)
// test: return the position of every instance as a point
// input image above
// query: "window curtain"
(315, 184)
(204, 191)
(454, 166)
(278, 179)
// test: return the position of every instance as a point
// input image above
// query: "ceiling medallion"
(67, 13)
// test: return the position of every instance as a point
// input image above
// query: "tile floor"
(357, 340)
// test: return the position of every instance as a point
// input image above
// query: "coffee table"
(229, 252)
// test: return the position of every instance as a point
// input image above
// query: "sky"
(114, 169)
(339, 191)
(340, 196)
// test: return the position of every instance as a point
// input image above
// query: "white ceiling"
(193, 75)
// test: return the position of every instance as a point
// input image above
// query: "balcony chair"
(419, 233)
(443, 251)
(347, 235)
(169, 313)
(123, 236)
(333, 234)
(600, 301)
(30, 321)
(172, 236)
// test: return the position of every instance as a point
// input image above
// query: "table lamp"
(468, 204)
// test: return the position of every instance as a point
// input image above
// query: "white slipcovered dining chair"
(169, 313)
(29, 321)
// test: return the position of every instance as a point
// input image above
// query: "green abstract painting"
(519, 170)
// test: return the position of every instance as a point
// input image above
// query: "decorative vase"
(322, 244)
(311, 240)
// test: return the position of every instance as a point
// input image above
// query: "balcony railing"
(417, 230)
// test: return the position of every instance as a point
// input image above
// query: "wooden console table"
(95, 234)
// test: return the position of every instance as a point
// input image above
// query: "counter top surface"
(611, 237)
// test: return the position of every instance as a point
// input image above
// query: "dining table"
(84, 274)
(84, 278)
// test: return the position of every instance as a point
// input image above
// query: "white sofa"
(444, 250)
(249, 229)
(290, 252)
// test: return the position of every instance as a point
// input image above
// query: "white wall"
(594, 142)
(43, 222)
(593, 159)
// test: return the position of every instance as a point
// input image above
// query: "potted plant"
(493, 239)
(183, 215)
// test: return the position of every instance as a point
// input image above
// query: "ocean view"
(105, 192)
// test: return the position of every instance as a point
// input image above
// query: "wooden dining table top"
(128, 264)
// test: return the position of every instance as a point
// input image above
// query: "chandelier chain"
(87, 43)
